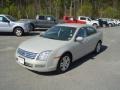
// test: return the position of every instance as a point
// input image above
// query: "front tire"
(95, 25)
(18, 31)
(110, 25)
(98, 47)
(64, 63)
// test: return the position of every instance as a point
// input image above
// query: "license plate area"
(21, 60)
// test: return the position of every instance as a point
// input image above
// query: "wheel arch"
(18, 27)
(32, 24)
(67, 52)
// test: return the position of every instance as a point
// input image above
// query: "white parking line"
(7, 49)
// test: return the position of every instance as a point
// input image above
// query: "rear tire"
(18, 31)
(64, 63)
(104, 25)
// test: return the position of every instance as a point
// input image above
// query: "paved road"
(101, 72)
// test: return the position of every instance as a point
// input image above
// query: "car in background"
(69, 19)
(118, 22)
(67, 43)
(10, 24)
(110, 22)
(42, 22)
(102, 22)
(88, 21)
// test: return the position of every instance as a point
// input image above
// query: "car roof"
(72, 25)
(2, 14)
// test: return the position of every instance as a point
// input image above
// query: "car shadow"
(74, 64)
(6, 34)
(33, 33)
(90, 56)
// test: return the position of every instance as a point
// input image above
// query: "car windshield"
(60, 33)
(11, 18)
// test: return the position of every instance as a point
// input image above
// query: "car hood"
(27, 20)
(94, 21)
(40, 44)
(22, 22)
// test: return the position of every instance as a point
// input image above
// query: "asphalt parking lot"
(93, 72)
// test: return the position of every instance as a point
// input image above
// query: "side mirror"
(79, 39)
(42, 33)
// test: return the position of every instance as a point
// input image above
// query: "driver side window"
(3, 19)
(82, 32)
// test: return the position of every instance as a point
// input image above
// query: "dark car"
(103, 23)
(45, 21)
(42, 22)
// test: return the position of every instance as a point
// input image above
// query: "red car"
(69, 19)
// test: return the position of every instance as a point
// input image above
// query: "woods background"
(59, 8)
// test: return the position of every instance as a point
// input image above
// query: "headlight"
(44, 55)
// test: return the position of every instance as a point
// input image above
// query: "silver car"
(9, 24)
(58, 47)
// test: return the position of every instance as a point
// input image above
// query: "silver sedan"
(58, 47)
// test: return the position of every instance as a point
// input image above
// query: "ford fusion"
(58, 47)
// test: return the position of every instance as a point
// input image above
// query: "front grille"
(26, 54)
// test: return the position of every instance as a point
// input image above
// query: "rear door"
(41, 22)
(4, 24)
(92, 38)
(80, 48)
(88, 43)
(50, 21)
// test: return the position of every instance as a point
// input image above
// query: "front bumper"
(27, 28)
(40, 66)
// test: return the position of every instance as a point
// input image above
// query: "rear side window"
(41, 18)
(50, 18)
(91, 31)
(82, 18)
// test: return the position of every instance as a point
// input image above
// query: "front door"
(4, 24)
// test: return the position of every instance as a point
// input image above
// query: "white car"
(9, 24)
(88, 21)
(118, 22)
(58, 47)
